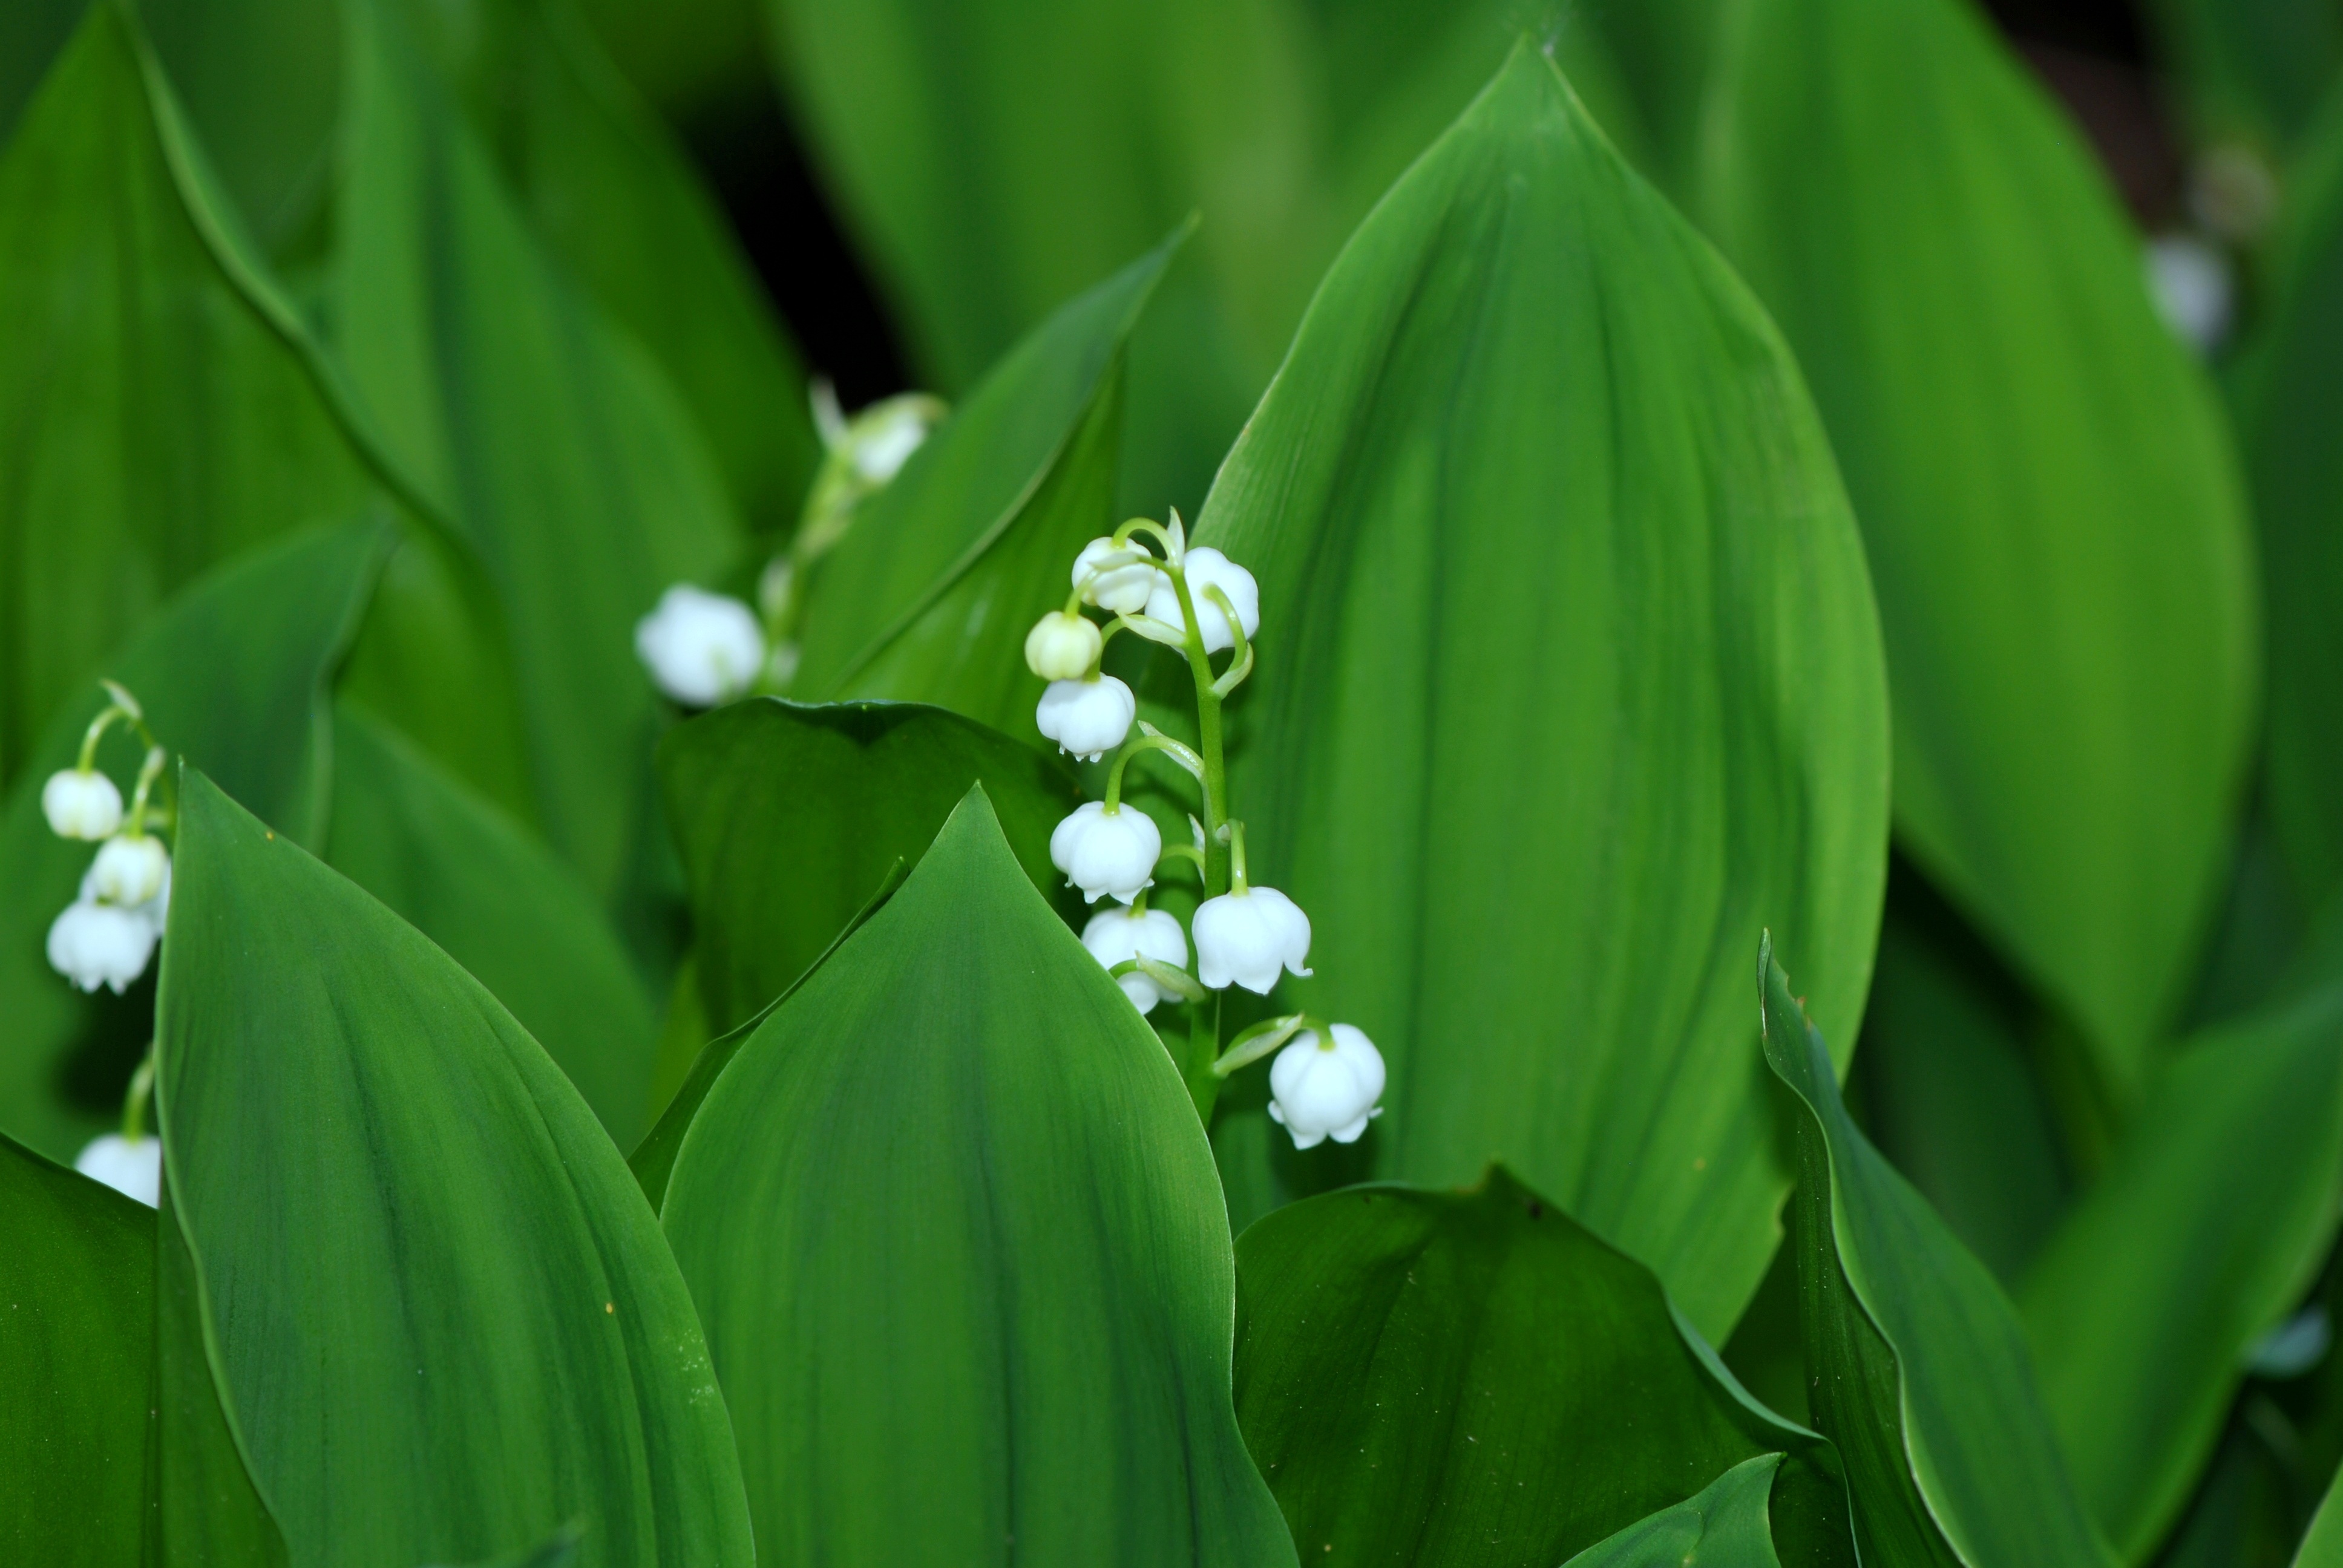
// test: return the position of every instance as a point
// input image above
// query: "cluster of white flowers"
(1328, 1078)
(108, 934)
(704, 649)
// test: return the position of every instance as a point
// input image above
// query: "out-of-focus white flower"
(94, 944)
(1120, 590)
(1208, 568)
(700, 647)
(129, 871)
(1118, 936)
(1062, 646)
(882, 439)
(1326, 1088)
(154, 910)
(1087, 717)
(2194, 291)
(81, 805)
(1245, 938)
(134, 1169)
(1107, 853)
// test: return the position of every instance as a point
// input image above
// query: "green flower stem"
(148, 771)
(1204, 1038)
(134, 1104)
(1151, 741)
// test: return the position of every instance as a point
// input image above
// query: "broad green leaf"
(788, 816)
(153, 425)
(444, 1321)
(2322, 1547)
(76, 1359)
(233, 675)
(929, 595)
(1917, 1368)
(551, 439)
(2049, 505)
(2215, 1214)
(1424, 1375)
(953, 1231)
(1569, 681)
(2288, 406)
(31, 34)
(498, 903)
(614, 197)
(2248, 71)
(1725, 1526)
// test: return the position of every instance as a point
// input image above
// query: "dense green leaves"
(2049, 505)
(76, 1358)
(1424, 1375)
(150, 424)
(2215, 1214)
(789, 817)
(232, 676)
(952, 1230)
(498, 903)
(1568, 681)
(2249, 71)
(1726, 1525)
(1918, 1368)
(930, 597)
(552, 440)
(442, 1318)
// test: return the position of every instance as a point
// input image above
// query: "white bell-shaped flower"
(1208, 568)
(154, 910)
(1062, 646)
(1321, 1089)
(1087, 717)
(882, 437)
(1121, 590)
(129, 871)
(81, 805)
(701, 647)
(1118, 936)
(1245, 938)
(1107, 854)
(2194, 291)
(94, 944)
(132, 1168)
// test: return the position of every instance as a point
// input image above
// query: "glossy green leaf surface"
(789, 816)
(551, 439)
(2287, 409)
(2322, 1547)
(953, 1231)
(1569, 681)
(2049, 505)
(500, 904)
(930, 596)
(1473, 1377)
(76, 1360)
(1725, 1526)
(1917, 1368)
(233, 675)
(397, 1206)
(2214, 1215)
(153, 425)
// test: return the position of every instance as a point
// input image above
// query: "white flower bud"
(94, 944)
(129, 871)
(1087, 717)
(154, 910)
(1206, 568)
(1062, 646)
(81, 805)
(1246, 938)
(1326, 1088)
(2189, 280)
(132, 1170)
(1107, 853)
(701, 647)
(884, 438)
(1122, 591)
(1118, 936)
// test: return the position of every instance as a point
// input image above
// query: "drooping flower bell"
(1247, 935)
(701, 647)
(94, 944)
(1118, 936)
(1208, 568)
(1107, 852)
(131, 1166)
(882, 439)
(1062, 646)
(81, 805)
(129, 871)
(1320, 1089)
(1087, 717)
(1119, 590)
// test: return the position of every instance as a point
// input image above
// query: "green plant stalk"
(1204, 1026)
